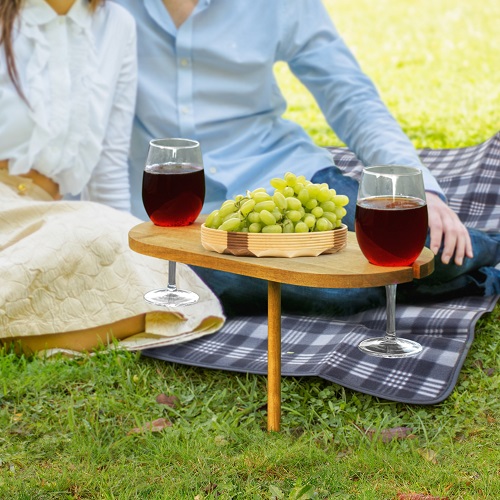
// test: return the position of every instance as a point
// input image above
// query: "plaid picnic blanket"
(327, 347)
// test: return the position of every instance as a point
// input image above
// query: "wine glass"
(391, 228)
(173, 192)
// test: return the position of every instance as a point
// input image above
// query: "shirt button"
(184, 62)
(184, 110)
(213, 170)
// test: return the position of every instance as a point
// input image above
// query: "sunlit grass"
(435, 63)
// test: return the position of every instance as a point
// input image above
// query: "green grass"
(436, 64)
(65, 423)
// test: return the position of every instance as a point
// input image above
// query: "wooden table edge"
(143, 239)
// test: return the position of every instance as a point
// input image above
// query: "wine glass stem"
(171, 287)
(390, 292)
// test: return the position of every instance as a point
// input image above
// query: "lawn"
(71, 428)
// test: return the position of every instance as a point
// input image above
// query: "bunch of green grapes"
(296, 206)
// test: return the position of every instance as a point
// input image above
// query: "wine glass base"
(171, 298)
(393, 348)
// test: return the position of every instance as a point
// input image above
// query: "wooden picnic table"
(345, 269)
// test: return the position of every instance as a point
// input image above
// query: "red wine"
(391, 231)
(173, 194)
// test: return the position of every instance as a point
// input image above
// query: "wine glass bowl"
(173, 193)
(391, 215)
(173, 186)
(391, 227)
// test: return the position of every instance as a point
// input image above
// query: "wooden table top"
(345, 269)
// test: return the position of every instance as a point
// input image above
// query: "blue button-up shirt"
(212, 80)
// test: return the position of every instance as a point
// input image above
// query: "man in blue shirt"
(206, 73)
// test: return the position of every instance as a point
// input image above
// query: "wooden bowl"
(274, 245)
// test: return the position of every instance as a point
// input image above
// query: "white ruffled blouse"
(79, 74)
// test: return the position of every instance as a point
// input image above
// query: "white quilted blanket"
(67, 266)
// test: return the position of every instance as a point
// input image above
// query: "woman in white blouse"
(67, 97)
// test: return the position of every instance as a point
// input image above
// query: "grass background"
(66, 424)
(436, 64)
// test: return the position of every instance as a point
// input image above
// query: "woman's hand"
(447, 229)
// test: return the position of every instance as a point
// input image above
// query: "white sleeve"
(109, 183)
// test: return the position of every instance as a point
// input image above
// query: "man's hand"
(446, 227)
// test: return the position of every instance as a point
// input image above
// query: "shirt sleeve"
(109, 183)
(349, 100)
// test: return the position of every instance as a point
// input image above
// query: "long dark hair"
(9, 10)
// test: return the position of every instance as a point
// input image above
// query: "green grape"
(279, 200)
(312, 203)
(340, 212)
(301, 227)
(247, 207)
(217, 221)
(303, 196)
(293, 203)
(317, 212)
(255, 227)
(278, 183)
(278, 215)
(230, 225)
(328, 206)
(340, 199)
(294, 215)
(267, 218)
(323, 195)
(253, 217)
(265, 205)
(228, 207)
(296, 205)
(323, 224)
(291, 179)
(309, 220)
(210, 219)
(330, 216)
(234, 215)
(261, 196)
(275, 228)
(313, 190)
(298, 187)
(288, 226)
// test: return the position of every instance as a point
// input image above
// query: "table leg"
(273, 356)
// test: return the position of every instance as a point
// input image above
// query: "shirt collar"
(38, 12)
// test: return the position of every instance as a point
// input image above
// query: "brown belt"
(42, 181)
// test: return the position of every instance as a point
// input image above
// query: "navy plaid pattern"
(469, 177)
(327, 347)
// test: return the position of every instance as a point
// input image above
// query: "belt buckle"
(22, 188)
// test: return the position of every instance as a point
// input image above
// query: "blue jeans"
(241, 295)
